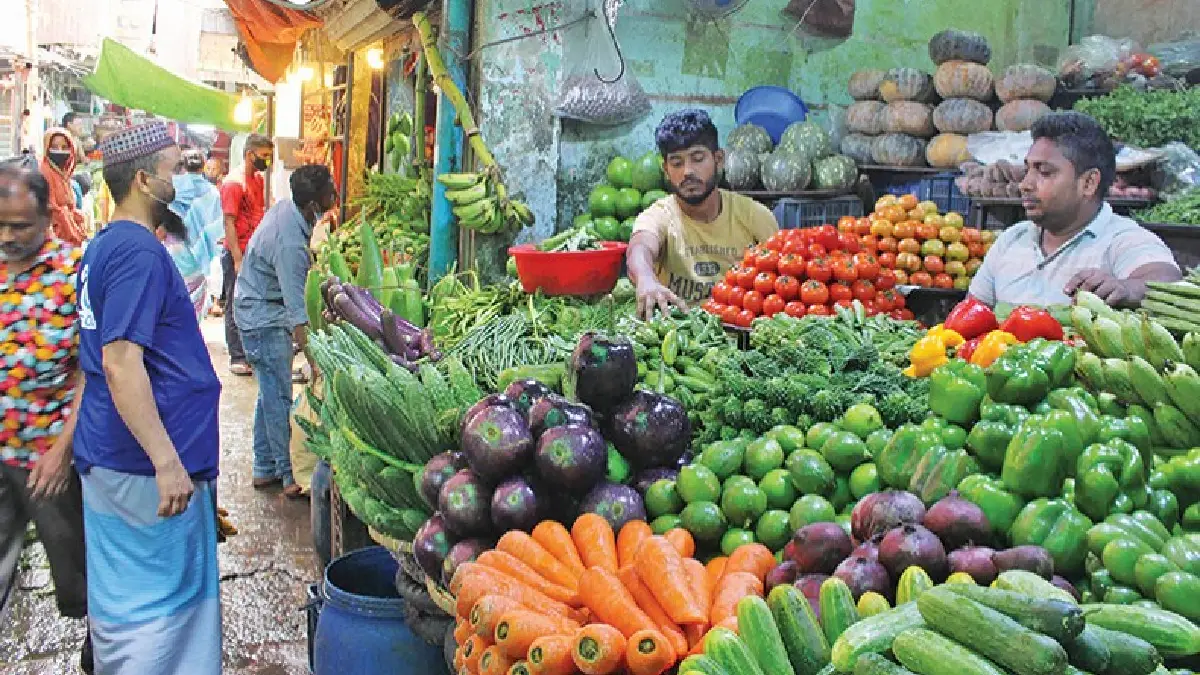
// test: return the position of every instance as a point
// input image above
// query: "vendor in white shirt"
(1072, 239)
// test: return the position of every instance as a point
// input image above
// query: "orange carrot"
(645, 599)
(522, 546)
(698, 577)
(462, 631)
(494, 661)
(648, 652)
(695, 633)
(661, 568)
(519, 668)
(733, 587)
(629, 538)
(609, 601)
(458, 659)
(598, 649)
(551, 655)
(715, 570)
(513, 567)
(482, 580)
(472, 651)
(682, 540)
(486, 612)
(753, 558)
(595, 541)
(518, 628)
(557, 540)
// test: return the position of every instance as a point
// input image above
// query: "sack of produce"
(598, 87)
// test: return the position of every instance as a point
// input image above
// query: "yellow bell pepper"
(992, 346)
(949, 338)
(927, 354)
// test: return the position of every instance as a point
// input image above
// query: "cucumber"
(758, 630)
(838, 611)
(1128, 655)
(1060, 620)
(1031, 584)
(1177, 592)
(913, 582)
(1088, 651)
(1171, 634)
(991, 633)
(871, 603)
(702, 664)
(928, 653)
(728, 650)
(1121, 595)
(874, 664)
(1120, 558)
(873, 635)
(807, 648)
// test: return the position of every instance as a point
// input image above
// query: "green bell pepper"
(1002, 412)
(899, 458)
(999, 505)
(1132, 429)
(1034, 463)
(990, 436)
(939, 472)
(1068, 490)
(1026, 373)
(1165, 506)
(1106, 470)
(952, 435)
(1058, 356)
(1058, 527)
(1073, 444)
(1075, 401)
(955, 391)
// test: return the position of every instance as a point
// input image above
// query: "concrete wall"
(1147, 21)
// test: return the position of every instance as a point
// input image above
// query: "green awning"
(131, 80)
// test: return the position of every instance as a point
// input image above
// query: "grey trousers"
(59, 523)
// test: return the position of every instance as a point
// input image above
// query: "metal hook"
(617, 46)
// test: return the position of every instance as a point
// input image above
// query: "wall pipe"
(448, 138)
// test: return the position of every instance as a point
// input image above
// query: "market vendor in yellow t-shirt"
(684, 243)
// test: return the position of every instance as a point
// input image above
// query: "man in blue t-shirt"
(146, 440)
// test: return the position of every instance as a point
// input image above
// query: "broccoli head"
(757, 415)
(900, 408)
(828, 404)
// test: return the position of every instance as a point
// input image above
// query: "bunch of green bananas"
(481, 203)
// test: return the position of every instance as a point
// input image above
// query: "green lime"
(618, 467)
(697, 483)
(724, 458)
(705, 521)
(843, 519)
(742, 505)
(651, 196)
(861, 419)
(778, 486)
(620, 172)
(762, 456)
(878, 440)
(666, 523)
(736, 479)
(607, 228)
(789, 437)
(582, 220)
(735, 538)
(841, 494)
(817, 434)
(662, 498)
(811, 509)
(774, 529)
(844, 451)
(602, 202)
(864, 480)
(811, 474)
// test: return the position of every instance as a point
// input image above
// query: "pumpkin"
(962, 116)
(749, 137)
(963, 79)
(898, 150)
(906, 84)
(1019, 115)
(1026, 80)
(864, 84)
(858, 147)
(865, 117)
(836, 172)
(959, 45)
(786, 171)
(742, 168)
(908, 117)
(806, 138)
(947, 151)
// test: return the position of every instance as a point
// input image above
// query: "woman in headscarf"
(58, 165)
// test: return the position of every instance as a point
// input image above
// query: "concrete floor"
(264, 569)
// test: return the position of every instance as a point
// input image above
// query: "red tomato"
(934, 264)
(844, 270)
(795, 309)
(745, 318)
(845, 224)
(886, 279)
(819, 269)
(816, 251)
(749, 256)
(768, 261)
(819, 310)
(746, 277)
(765, 282)
(787, 287)
(729, 315)
(882, 303)
(753, 301)
(827, 236)
(848, 241)
(901, 277)
(795, 245)
(734, 296)
(887, 261)
(840, 291)
(867, 266)
(720, 292)
(862, 226)
(773, 305)
(923, 279)
(943, 280)
(776, 241)
(731, 275)
(791, 265)
(863, 290)
(887, 299)
(813, 292)
(888, 244)
(898, 301)
(869, 243)
(871, 308)
(1151, 67)
(845, 303)
(907, 314)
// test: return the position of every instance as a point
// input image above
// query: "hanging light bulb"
(375, 58)
(306, 73)
(328, 80)
(243, 112)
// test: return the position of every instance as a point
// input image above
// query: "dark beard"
(709, 187)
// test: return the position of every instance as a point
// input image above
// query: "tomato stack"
(924, 247)
(806, 271)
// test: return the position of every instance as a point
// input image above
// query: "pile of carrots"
(594, 601)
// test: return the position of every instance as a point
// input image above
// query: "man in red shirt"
(243, 199)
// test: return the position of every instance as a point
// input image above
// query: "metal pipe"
(448, 138)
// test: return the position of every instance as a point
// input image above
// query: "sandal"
(241, 369)
(261, 483)
(294, 491)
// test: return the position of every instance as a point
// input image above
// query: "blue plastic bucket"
(772, 108)
(361, 628)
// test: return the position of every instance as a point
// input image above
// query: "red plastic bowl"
(569, 272)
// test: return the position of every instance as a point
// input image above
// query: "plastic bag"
(597, 85)
(989, 147)
(1178, 171)
(1095, 57)
(1178, 58)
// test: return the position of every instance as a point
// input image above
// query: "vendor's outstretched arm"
(651, 293)
(1122, 292)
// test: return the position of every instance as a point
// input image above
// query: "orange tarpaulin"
(270, 33)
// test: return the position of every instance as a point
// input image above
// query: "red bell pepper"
(1028, 323)
(967, 349)
(971, 318)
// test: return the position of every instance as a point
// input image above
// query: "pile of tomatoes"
(926, 248)
(806, 271)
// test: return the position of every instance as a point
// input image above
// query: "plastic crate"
(794, 213)
(938, 188)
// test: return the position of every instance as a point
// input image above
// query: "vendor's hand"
(175, 489)
(50, 474)
(652, 294)
(1115, 292)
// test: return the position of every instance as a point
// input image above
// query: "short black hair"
(683, 129)
(119, 176)
(1083, 142)
(193, 160)
(309, 183)
(257, 142)
(68, 118)
(34, 181)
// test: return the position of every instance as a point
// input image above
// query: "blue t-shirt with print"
(129, 289)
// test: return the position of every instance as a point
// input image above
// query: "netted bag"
(597, 87)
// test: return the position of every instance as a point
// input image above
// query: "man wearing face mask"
(146, 441)
(271, 313)
(58, 164)
(685, 242)
(243, 198)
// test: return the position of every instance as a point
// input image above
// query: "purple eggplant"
(425, 342)
(485, 402)
(650, 430)
(516, 505)
(464, 551)
(465, 502)
(604, 371)
(431, 545)
(433, 475)
(497, 442)
(571, 457)
(392, 340)
(357, 316)
(643, 479)
(363, 298)
(617, 503)
(553, 410)
(525, 393)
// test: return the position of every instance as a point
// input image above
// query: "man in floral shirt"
(38, 364)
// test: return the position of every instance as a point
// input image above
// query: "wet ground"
(265, 569)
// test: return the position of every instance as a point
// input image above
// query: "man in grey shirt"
(271, 315)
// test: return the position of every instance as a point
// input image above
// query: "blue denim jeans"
(269, 352)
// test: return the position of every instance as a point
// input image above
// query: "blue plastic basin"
(772, 108)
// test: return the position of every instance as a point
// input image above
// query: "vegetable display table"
(1183, 240)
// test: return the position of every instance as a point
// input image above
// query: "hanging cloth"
(269, 33)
